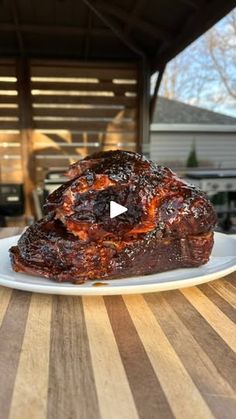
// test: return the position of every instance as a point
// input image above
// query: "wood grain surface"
(162, 355)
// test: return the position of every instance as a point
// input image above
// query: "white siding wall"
(219, 149)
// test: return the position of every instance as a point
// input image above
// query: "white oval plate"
(222, 262)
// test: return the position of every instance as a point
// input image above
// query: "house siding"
(216, 150)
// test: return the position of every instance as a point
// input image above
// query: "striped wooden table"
(164, 355)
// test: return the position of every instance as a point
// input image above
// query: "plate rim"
(54, 288)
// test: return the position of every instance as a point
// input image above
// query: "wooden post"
(143, 108)
(26, 125)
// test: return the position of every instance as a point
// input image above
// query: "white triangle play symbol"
(116, 209)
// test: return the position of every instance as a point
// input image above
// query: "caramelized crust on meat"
(168, 224)
(47, 249)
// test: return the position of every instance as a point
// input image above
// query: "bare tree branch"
(205, 73)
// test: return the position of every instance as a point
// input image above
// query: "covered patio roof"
(155, 30)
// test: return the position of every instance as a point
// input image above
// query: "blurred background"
(76, 77)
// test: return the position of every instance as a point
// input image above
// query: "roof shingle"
(174, 112)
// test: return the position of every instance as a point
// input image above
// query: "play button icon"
(116, 209)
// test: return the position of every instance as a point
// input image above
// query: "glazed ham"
(169, 224)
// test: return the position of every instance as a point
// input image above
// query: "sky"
(196, 75)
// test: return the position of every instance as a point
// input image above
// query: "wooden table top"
(164, 355)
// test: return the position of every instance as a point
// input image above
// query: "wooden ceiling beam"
(115, 28)
(134, 12)
(87, 37)
(56, 30)
(17, 27)
(191, 3)
(155, 31)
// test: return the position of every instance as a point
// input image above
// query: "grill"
(220, 186)
(213, 181)
(11, 201)
(53, 181)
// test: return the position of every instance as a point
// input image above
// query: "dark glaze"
(46, 249)
(168, 223)
(153, 194)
